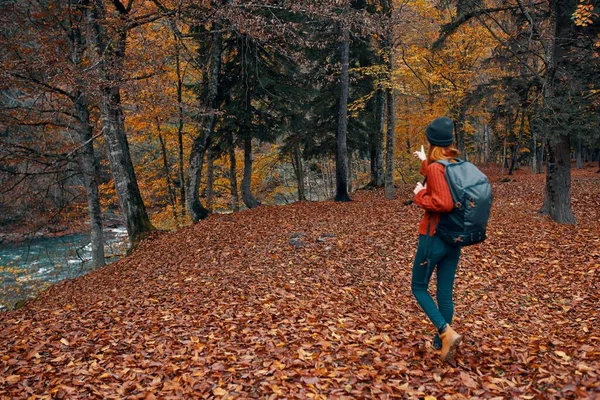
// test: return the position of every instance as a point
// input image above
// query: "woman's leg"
(446, 272)
(421, 276)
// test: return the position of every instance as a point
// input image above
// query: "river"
(28, 267)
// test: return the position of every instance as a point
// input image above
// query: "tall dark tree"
(328, 101)
(557, 199)
(249, 200)
(235, 202)
(341, 164)
(376, 140)
(180, 124)
(390, 140)
(110, 38)
(195, 208)
(261, 97)
(82, 106)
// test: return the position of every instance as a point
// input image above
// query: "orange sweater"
(435, 198)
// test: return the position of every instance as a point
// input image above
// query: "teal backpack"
(472, 194)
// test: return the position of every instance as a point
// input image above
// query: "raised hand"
(420, 154)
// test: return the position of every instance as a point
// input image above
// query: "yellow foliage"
(432, 83)
(584, 14)
(265, 174)
(170, 219)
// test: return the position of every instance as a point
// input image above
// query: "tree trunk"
(112, 53)
(376, 145)
(534, 151)
(557, 199)
(391, 124)
(167, 172)
(309, 189)
(379, 175)
(341, 160)
(534, 168)
(486, 145)
(350, 181)
(87, 159)
(330, 180)
(88, 167)
(540, 160)
(249, 200)
(299, 171)
(517, 146)
(130, 199)
(504, 155)
(210, 179)
(195, 208)
(579, 153)
(180, 127)
(233, 175)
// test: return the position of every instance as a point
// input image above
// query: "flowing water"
(28, 267)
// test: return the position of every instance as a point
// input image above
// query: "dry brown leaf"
(468, 381)
(219, 392)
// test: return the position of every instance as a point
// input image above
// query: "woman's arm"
(436, 196)
(424, 166)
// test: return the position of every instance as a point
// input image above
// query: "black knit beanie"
(440, 132)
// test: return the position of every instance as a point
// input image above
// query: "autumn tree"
(208, 118)
(109, 27)
(562, 57)
(341, 159)
(552, 38)
(388, 42)
(54, 92)
(259, 94)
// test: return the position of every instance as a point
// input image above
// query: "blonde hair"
(436, 153)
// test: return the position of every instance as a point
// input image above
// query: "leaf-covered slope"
(313, 299)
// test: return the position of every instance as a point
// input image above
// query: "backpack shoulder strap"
(445, 163)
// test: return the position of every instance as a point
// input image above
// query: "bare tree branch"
(121, 8)
(142, 20)
(450, 28)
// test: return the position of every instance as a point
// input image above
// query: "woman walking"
(432, 253)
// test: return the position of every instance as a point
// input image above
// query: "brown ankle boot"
(450, 342)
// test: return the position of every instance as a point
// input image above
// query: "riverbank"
(9, 236)
(29, 266)
(20, 232)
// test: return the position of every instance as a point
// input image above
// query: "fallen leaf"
(220, 392)
(468, 381)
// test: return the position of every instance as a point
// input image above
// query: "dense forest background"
(164, 111)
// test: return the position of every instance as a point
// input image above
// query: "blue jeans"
(444, 258)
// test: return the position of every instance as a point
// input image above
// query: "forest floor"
(313, 300)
